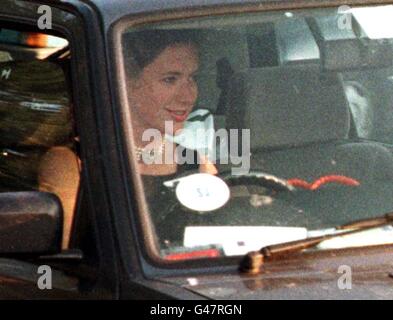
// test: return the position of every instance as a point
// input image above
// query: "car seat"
(37, 134)
(299, 123)
(59, 173)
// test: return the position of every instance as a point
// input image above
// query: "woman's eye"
(169, 80)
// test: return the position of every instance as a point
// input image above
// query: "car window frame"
(156, 264)
(71, 24)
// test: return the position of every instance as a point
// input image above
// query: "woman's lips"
(178, 115)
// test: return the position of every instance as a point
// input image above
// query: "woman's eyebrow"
(171, 73)
(177, 73)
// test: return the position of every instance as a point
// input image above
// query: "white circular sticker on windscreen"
(202, 192)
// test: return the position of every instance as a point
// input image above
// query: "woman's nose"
(188, 92)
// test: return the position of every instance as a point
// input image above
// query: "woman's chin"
(177, 129)
(171, 127)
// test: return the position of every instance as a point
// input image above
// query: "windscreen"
(260, 128)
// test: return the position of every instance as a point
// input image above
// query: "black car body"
(112, 255)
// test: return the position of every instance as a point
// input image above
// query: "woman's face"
(166, 90)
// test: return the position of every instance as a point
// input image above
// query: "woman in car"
(161, 68)
(161, 78)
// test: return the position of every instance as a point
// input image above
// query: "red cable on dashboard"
(323, 180)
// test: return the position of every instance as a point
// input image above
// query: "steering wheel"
(242, 212)
(254, 177)
(257, 177)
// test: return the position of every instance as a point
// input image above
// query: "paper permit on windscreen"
(375, 236)
(240, 240)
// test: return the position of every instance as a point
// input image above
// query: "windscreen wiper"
(254, 260)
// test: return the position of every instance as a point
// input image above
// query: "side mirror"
(30, 222)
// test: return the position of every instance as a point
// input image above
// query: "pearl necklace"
(149, 153)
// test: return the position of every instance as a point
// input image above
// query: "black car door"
(43, 147)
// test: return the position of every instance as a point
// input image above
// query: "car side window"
(38, 143)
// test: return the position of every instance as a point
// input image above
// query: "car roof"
(139, 6)
(112, 10)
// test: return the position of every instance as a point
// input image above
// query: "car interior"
(39, 143)
(311, 103)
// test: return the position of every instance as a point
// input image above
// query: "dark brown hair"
(140, 48)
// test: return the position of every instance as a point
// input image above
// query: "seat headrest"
(34, 104)
(288, 106)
